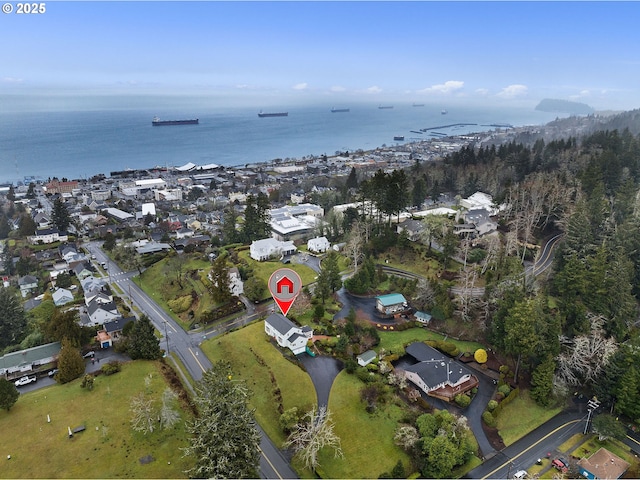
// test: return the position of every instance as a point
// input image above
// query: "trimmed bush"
(504, 389)
(480, 356)
(491, 406)
(462, 400)
(180, 304)
(488, 418)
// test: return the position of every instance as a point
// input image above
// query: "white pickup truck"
(26, 380)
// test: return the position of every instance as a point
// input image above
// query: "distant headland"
(564, 106)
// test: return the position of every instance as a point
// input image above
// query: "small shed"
(366, 358)
(422, 317)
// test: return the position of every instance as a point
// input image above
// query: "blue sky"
(473, 52)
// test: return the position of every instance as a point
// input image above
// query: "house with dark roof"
(287, 333)
(27, 284)
(99, 313)
(436, 374)
(112, 331)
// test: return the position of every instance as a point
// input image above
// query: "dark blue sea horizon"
(80, 143)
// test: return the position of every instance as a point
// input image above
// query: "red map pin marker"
(285, 285)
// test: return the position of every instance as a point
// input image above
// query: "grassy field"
(108, 448)
(522, 416)
(367, 439)
(253, 359)
(394, 341)
(168, 289)
(264, 270)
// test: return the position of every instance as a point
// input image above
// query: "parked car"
(53, 372)
(561, 464)
(89, 354)
(520, 474)
(26, 380)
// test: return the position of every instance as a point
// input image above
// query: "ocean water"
(44, 137)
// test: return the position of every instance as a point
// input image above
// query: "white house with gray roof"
(286, 333)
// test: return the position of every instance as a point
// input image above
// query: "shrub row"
(447, 348)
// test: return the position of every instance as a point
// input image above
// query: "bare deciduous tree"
(406, 437)
(311, 435)
(142, 414)
(585, 356)
(169, 415)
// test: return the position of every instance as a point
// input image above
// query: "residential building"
(391, 304)
(15, 364)
(436, 374)
(318, 245)
(48, 235)
(27, 284)
(603, 465)
(366, 358)
(62, 296)
(286, 333)
(268, 248)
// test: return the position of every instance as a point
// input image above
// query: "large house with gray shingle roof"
(436, 374)
(287, 333)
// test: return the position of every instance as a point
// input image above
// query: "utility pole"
(166, 336)
(592, 405)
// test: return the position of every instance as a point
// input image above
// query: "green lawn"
(367, 439)
(522, 416)
(264, 270)
(253, 359)
(108, 448)
(395, 341)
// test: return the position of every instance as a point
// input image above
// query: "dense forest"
(574, 328)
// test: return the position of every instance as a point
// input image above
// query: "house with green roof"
(30, 360)
(391, 304)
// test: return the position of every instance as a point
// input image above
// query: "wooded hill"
(574, 329)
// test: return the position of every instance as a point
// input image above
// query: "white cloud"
(337, 88)
(11, 80)
(374, 89)
(513, 91)
(301, 86)
(482, 91)
(448, 87)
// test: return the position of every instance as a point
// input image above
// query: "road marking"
(490, 474)
(264, 455)
(633, 439)
(196, 359)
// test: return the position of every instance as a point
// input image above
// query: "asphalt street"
(186, 345)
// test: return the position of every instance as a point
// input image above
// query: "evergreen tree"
(13, 323)
(224, 440)
(70, 362)
(109, 241)
(220, 283)
(8, 394)
(229, 232)
(352, 179)
(60, 215)
(64, 324)
(143, 343)
(27, 225)
(5, 228)
(542, 382)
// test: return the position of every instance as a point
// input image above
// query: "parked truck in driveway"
(26, 380)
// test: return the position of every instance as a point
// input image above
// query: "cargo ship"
(156, 122)
(273, 114)
(399, 137)
(385, 107)
(339, 110)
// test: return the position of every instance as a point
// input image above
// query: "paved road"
(186, 345)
